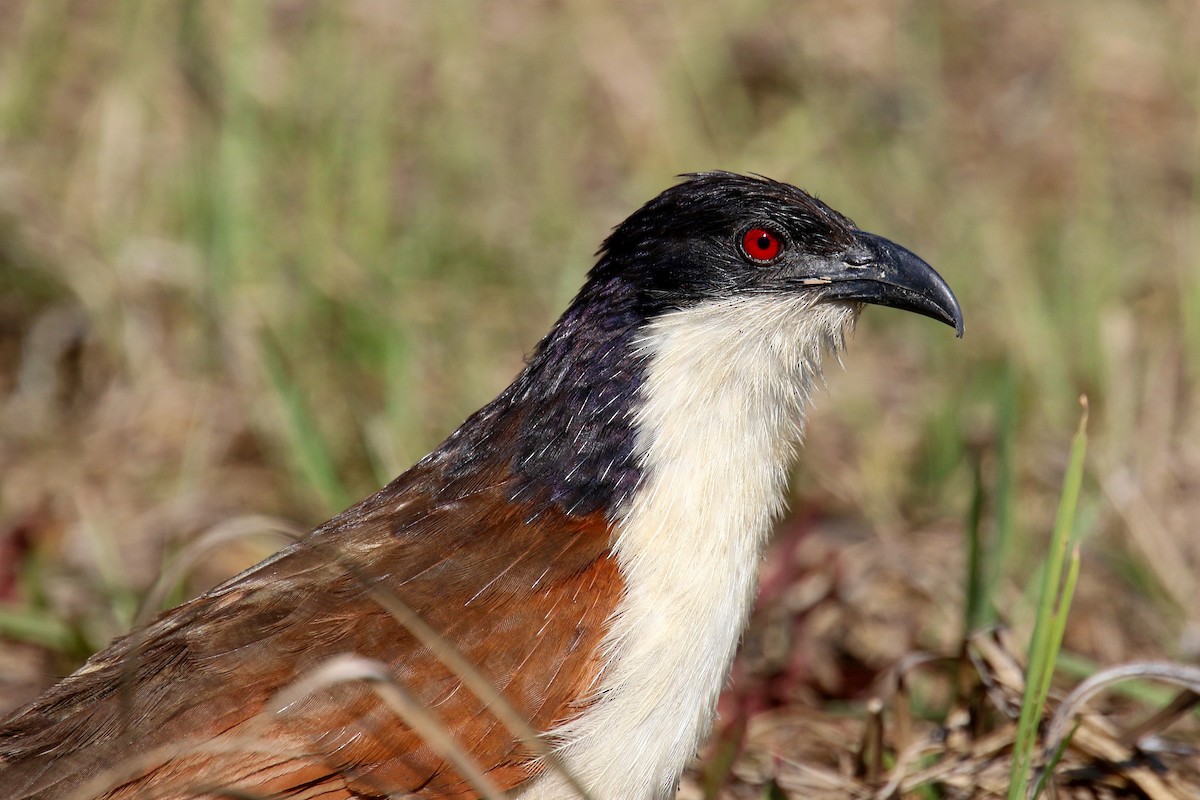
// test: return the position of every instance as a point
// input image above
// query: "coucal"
(588, 541)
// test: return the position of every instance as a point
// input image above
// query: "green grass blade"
(1050, 623)
(33, 626)
(978, 610)
(1006, 496)
(1056, 756)
(308, 452)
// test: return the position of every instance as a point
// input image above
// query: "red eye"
(760, 244)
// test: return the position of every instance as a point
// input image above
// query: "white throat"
(721, 417)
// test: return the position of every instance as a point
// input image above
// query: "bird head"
(712, 301)
(718, 235)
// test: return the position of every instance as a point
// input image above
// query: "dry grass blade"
(227, 531)
(870, 751)
(906, 761)
(1181, 675)
(999, 671)
(475, 682)
(1095, 739)
(350, 668)
(820, 783)
(982, 767)
(1163, 718)
(131, 767)
(342, 669)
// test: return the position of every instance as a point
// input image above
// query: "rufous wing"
(183, 708)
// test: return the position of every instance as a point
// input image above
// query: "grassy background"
(257, 257)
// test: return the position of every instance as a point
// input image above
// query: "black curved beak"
(878, 271)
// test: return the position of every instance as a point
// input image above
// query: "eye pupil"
(760, 244)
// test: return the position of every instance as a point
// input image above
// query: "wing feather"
(181, 707)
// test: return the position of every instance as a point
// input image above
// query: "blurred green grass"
(302, 240)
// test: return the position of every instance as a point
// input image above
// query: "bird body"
(588, 541)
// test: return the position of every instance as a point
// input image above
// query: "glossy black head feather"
(682, 247)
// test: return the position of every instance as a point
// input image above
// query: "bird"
(586, 543)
